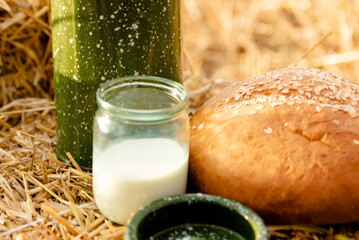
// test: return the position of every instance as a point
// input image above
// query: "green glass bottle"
(95, 41)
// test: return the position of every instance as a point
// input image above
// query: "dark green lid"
(196, 216)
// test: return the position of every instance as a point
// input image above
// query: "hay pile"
(224, 41)
(25, 47)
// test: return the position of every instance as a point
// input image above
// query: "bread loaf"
(285, 143)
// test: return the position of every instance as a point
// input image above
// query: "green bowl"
(196, 216)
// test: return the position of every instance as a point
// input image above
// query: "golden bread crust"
(285, 143)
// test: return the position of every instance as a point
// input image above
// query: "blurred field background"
(223, 41)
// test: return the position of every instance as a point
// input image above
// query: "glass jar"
(140, 144)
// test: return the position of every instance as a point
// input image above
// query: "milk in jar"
(140, 144)
(129, 174)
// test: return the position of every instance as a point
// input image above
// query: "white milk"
(129, 174)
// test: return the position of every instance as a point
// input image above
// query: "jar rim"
(176, 88)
